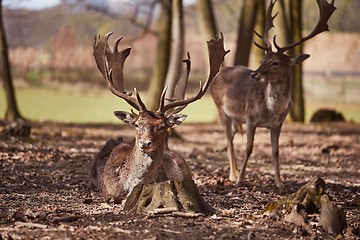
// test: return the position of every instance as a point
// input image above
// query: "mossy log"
(309, 199)
(171, 196)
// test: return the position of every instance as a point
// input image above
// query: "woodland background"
(50, 52)
(44, 162)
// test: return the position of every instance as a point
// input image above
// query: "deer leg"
(230, 130)
(250, 132)
(274, 135)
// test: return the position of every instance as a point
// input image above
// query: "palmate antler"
(269, 23)
(217, 54)
(111, 66)
(326, 10)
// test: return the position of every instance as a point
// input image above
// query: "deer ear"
(175, 119)
(126, 117)
(298, 59)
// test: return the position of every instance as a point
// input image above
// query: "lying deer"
(260, 98)
(120, 166)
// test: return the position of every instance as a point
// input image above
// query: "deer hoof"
(281, 187)
(239, 183)
(240, 180)
(233, 177)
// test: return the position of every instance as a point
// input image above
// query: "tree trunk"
(12, 112)
(162, 56)
(177, 48)
(206, 19)
(245, 32)
(284, 21)
(259, 27)
(167, 197)
(298, 111)
(206, 22)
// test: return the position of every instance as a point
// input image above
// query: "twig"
(197, 165)
(70, 218)
(145, 27)
(187, 214)
(30, 225)
(163, 210)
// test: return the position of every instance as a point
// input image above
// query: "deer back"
(261, 96)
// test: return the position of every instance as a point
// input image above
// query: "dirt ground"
(44, 187)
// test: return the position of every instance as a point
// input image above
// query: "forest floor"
(44, 184)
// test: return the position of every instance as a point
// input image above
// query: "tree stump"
(170, 196)
(309, 199)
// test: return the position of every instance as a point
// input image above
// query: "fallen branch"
(70, 218)
(30, 225)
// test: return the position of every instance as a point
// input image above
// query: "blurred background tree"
(50, 51)
(12, 112)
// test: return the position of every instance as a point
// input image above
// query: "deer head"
(110, 63)
(276, 65)
(151, 128)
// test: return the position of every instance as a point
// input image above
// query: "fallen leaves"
(44, 184)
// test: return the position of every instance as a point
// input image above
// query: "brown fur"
(259, 98)
(130, 164)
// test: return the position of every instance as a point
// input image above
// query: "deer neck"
(277, 95)
(144, 167)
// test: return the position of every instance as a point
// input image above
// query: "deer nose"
(145, 143)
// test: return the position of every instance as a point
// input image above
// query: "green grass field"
(72, 105)
(79, 106)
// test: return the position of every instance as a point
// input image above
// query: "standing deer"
(120, 166)
(260, 98)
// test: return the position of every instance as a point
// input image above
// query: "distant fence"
(341, 87)
(333, 73)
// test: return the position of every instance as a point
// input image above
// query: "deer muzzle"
(145, 144)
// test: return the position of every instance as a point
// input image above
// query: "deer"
(120, 165)
(261, 97)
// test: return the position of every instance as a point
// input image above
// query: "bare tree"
(177, 47)
(162, 55)
(206, 18)
(259, 27)
(12, 112)
(291, 27)
(298, 111)
(245, 31)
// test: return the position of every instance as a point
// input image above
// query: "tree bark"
(206, 22)
(162, 56)
(177, 48)
(259, 27)
(298, 111)
(12, 112)
(206, 19)
(167, 197)
(245, 32)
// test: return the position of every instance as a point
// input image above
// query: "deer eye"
(161, 127)
(275, 64)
